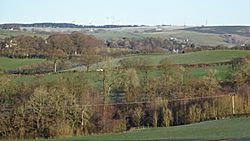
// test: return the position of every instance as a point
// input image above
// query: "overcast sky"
(149, 12)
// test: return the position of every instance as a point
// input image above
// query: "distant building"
(176, 51)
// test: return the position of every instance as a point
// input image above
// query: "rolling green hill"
(208, 56)
(228, 129)
(198, 38)
(188, 58)
(201, 57)
(239, 30)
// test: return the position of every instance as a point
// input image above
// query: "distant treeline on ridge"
(61, 25)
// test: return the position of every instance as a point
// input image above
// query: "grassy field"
(223, 72)
(210, 130)
(208, 56)
(197, 57)
(95, 78)
(237, 129)
(195, 37)
(190, 58)
(11, 64)
(239, 30)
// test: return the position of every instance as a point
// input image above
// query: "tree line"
(43, 25)
(60, 25)
(55, 45)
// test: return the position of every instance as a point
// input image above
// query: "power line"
(125, 103)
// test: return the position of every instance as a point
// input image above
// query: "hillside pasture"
(14, 63)
(9, 33)
(227, 129)
(201, 57)
(197, 38)
(236, 129)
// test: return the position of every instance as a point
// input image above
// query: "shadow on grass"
(236, 139)
(138, 140)
(241, 139)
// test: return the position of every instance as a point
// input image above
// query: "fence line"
(3, 107)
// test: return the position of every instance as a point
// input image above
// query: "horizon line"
(163, 24)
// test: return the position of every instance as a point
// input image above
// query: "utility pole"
(233, 103)
(55, 63)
